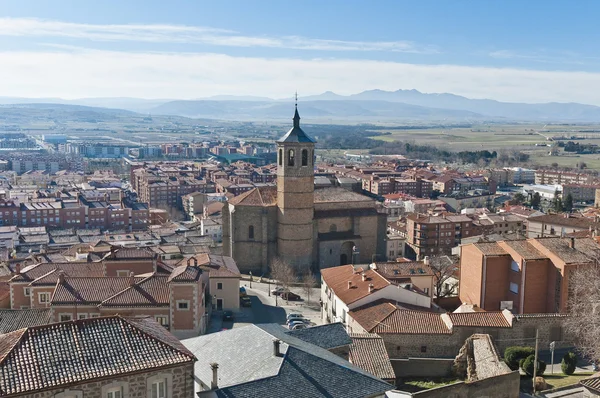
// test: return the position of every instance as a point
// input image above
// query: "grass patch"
(554, 380)
(420, 384)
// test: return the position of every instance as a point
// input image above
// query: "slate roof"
(56, 355)
(368, 352)
(326, 336)
(248, 368)
(11, 320)
(185, 273)
(263, 196)
(337, 279)
(296, 134)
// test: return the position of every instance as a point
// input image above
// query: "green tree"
(513, 355)
(569, 363)
(527, 365)
(536, 199)
(519, 198)
(568, 206)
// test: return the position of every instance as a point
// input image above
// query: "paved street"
(269, 308)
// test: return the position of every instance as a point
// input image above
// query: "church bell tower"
(295, 196)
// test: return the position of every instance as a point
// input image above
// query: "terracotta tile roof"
(129, 253)
(490, 249)
(368, 352)
(89, 290)
(524, 249)
(216, 265)
(337, 279)
(479, 319)
(149, 292)
(585, 249)
(33, 272)
(570, 221)
(11, 320)
(263, 196)
(185, 273)
(387, 317)
(52, 356)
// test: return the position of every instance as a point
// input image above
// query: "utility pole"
(535, 362)
(552, 345)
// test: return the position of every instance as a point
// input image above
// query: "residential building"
(524, 276)
(458, 202)
(502, 223)
(139, 359)
(580, 192)
(559, 225)
(554, 177)
(291, 361)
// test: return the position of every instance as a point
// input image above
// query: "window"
(251, 232)
(115, 390)
(219, 286)
(514, 288)
(65, 317)
(426, 290)
(305, 157)
(162, 319)
(82, 316)
(423, 348)
(94, 315)
(291, 157)
(69, 394)
(159, 389)
(44, 298)
(183, 305)
(114, 393)
(27, 291)
(122, 272)
(281, 157)
(514, 266)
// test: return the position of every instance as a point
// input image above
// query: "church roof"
(296, 134)
(337, 194)
(262, 196)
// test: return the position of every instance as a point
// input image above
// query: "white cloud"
(78, 73)
(160, 33)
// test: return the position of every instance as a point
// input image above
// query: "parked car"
(299, 326)
(296, 320)
(242, 291)
(245, 301)
(227, 316)
(289, 296)
(278, 291)
(291, 325)
(294, 315)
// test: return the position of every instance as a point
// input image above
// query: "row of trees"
(286, 275)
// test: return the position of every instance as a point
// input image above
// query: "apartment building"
(524, 276)
(418, 187)
(580, 192)
(434, 235)
(548, 225)
(553, 177)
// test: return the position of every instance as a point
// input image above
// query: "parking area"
(268, 308)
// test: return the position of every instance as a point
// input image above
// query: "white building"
(212, 227)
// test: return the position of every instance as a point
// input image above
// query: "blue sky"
(530, 51)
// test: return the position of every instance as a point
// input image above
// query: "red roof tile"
(479, 319)
(337, 279)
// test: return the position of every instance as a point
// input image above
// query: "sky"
(517, 51)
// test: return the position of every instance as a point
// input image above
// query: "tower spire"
(296, 114)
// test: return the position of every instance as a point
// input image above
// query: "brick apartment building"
(559, 225)
(551, 177)
(435, 235)
(526, 276)
(418, 187)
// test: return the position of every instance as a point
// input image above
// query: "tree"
(443, 270)
(557, 202)
(282, 272)
(569, 363)
(309, 282)
(514, 355)
(583, 306)
(527, 365)
(519, 198)
(568, 206)
(536, 199)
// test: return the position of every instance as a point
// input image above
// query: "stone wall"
(180, 384)
(504, 386)
(422, 367)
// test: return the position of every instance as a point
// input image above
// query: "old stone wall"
(504, 386)
(422, 367)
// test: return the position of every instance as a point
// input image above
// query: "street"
(269, 308)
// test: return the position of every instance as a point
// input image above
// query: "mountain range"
(367, 106)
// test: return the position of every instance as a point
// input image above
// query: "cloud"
(546, 57)
(80, 73)
(157, 33)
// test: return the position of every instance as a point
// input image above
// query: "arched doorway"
(346, 253)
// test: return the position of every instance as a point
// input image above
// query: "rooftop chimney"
(276, 347)
(61, 276)
(371, 288)
(572, 243)
(18, 268)
(349, 284)
(131, 279)
(214, 384)
(426, 260)
(364, 277)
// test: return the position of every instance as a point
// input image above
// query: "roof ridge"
(22, 331)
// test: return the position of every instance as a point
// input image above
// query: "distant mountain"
(318, 109)
(131, 104)
(236, 98)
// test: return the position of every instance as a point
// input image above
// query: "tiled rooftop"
(324, 195)
(11, 320)
(263, 196)
(52, 356)
(490, 249)
(337, 279)
(368, 352)
(479, 319)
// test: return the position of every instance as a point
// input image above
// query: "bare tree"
(309, 282)
(583, 306)
(283, 272)
(443, 268)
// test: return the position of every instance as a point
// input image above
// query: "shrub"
(512, 356)
(527, 366)
(568, 363)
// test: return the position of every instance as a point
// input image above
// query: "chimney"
(18, 268)
(426, 260)
(276, 347)
(214, 384)
(131, 279)
(61, 276)
(572, 243)
(364, 277)
(371, 288)
(349, 284)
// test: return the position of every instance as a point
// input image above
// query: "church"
(306, 227)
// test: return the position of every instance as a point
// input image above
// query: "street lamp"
(355, 252)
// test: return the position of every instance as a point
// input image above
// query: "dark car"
(245, 301)
(227, 316)
(289, 296)
(278, 291)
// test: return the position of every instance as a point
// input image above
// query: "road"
(268, 308)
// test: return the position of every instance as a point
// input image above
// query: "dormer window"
(291, 157)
